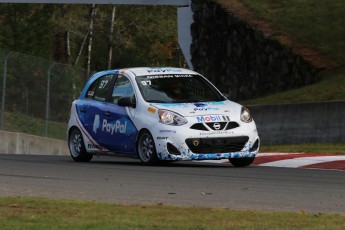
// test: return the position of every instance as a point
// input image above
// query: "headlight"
(245, 115)
(170, 118)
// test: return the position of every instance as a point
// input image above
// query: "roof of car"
(140, 71)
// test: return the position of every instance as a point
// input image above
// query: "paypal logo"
(116, 127)
(96, 123)
(164, 70)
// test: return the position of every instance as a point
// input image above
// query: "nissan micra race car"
(159, 114)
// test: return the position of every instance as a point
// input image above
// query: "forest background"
(94, 37)
(48, 51)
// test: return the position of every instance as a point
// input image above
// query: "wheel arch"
(154, 160)
(76, 145)
(71, 129)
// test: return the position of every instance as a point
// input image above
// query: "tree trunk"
(89, 49)
(81, 47)
(68, 48)
(110, 42)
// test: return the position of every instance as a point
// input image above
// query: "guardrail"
(19, 143)
(315, 122)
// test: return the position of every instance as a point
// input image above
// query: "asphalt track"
(126, 181)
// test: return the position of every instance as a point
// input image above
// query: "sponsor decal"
(206, 109)
(166, 70)
(159, 76)
(215, 133)
(200, 104)
(183, 105)
(211, 118)
(151, 109)
(217, 103)
(167, 131)
(92, 146)
(117, 127)
(162, 138)
(226, 118)
(169, 76)
(96, 123)
(183, 75)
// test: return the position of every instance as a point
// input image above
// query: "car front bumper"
(186, 144)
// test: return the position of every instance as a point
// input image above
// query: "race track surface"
(126, 181)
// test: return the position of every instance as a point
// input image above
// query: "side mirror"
(126, 102)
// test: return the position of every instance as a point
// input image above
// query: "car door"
(117, 129)
(91, 109)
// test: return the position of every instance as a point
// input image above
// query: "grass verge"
(315, 25)
(17, 122)
(337, 149)
(331, 88)
(42, 213)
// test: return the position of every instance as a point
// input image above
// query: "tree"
(122, 36)
(27, 28)
(111, 31)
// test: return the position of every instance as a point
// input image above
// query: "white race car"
(159, 114)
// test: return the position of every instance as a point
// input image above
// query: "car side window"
(99, 89)
(122, 88)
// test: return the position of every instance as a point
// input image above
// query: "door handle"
(83, 110)
(107, 114)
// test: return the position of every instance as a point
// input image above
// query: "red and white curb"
(297, 160)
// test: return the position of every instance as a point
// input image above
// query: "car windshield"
(177, 88)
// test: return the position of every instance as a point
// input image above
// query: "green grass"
(331, 88)
(317, 24)
(338, 149)
(41, 213)
(314, 24)
(16, 122)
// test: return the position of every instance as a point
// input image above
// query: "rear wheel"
(146, 149)
(241, 162)
(77, 147)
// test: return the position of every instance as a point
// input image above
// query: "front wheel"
(241, 162)
(146, 149)
(77, 147)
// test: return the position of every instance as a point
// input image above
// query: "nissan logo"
(216, 126)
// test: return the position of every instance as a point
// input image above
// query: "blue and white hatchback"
(159, 114)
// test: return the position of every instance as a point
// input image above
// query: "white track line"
(303, 161)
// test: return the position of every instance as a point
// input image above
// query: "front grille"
(232, 125)
(215, 126)
(217, 145)
(199, 126)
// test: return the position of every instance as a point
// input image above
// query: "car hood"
(201, 108)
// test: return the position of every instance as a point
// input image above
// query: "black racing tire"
(146, 149)
(77, 147)
(241, 162)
